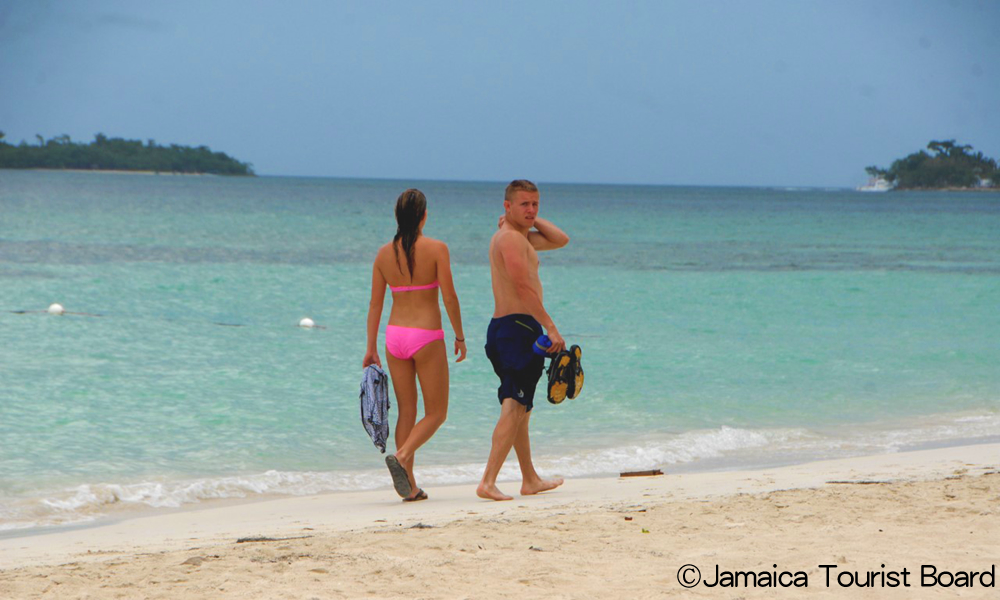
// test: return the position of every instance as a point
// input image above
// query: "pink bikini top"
(413, 288)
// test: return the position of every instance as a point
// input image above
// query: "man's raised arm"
(546, 236)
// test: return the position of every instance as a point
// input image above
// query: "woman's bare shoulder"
(434, 245)
(385, 255)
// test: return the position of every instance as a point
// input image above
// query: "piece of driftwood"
(261, 538)
(861, 482)
(649, 473)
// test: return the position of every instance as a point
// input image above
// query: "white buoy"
(306, 322)
(56, 309)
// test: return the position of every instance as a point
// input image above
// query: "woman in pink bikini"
(414, 267)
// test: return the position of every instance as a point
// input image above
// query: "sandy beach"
(594, 538)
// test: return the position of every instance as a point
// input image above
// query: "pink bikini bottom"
(404, 342)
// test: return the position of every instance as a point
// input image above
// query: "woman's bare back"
(416, 308)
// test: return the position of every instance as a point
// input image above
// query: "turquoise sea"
(722, 328)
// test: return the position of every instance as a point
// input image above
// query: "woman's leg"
(404, 384)
(431, 364)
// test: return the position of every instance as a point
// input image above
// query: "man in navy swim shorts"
(519, 317)
(509, 341)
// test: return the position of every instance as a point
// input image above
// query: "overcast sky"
(747, 92)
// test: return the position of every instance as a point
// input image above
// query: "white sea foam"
(725, 447)
(88, 502)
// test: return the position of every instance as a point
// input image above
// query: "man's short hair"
(518, 185)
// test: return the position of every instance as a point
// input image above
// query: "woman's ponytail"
(410, 210)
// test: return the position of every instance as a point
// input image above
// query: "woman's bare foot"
(540, 485)
(491, 493)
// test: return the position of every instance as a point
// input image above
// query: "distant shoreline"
(178, 173)
(988, 190)
(116, 154)
(117, 172)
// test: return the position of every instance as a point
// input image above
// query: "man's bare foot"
(491, 493)
(540, 485)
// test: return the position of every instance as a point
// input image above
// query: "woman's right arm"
(450, 298)
(374, 317)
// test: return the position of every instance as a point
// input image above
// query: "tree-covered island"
(951, 166)
(117, 154)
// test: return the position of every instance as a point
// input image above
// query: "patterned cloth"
(375, 405)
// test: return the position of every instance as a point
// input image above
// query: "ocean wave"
(91, 501)
(721, 448)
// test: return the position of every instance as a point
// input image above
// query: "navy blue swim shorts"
(509, 342)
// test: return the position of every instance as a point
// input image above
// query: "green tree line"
(950, 166)
(107, 154)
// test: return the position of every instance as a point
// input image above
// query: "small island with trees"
(951, 167)
(117, 154)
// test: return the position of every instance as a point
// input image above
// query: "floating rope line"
(42, 312)
(58, 310)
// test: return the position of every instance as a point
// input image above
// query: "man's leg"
(531, 483)
(512, 414)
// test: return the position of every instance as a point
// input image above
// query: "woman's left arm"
(450, 298)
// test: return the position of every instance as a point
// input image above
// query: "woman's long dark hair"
(410, 210)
